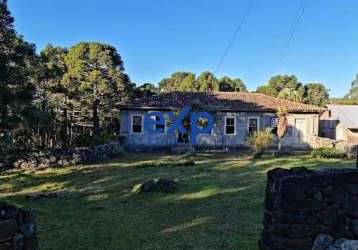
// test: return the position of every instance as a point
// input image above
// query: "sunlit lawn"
(219, 204)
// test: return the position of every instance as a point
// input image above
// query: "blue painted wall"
(216, 139)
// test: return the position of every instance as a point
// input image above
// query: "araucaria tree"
(95, 78)
(17, 75)
(288, 87)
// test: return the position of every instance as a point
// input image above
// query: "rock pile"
(69, 157)
(300, 204)
(17, 228)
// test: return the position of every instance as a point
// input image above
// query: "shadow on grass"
(218, 206)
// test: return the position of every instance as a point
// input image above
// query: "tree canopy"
(95, 77)
(288, 87)
(206, 81)
(17, 76)
(316, 94)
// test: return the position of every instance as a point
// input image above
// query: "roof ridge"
(225, 100)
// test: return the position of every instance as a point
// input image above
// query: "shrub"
(259, 141)
(327, 153)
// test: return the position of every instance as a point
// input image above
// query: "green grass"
(219, 204)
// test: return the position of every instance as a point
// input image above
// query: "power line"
(292, 30)
(236, 32)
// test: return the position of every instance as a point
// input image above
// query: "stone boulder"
(166, 185)
(327, 242)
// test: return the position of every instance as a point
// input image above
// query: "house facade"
(235, 114)
(340, 123)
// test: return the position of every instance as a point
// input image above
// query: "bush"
(327, 153)
(259, 141)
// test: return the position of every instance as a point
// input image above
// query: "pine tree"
(17, 71)
(95, 78)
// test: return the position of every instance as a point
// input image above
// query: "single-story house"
(340, 123)
(236, 114)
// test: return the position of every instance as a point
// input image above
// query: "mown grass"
(219, 204)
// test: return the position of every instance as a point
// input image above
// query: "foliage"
(284, 83)
(18, 62)
(343, 101)
(259, 141)
(327, 153)
(316, 94)
(267, 90)
(145, 90)
(288, 87)
(206, 81)
(290, 94)
(227, 84)
(95, 79)
(179, 81)
(353, 92)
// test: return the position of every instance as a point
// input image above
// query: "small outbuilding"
(340, 123)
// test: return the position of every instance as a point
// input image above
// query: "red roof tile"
(238, 101)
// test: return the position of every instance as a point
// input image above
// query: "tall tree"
(17, 74)
(95, 76)
(316, 94)
(179, 81)
(206, 81)
(267, 90)
(145, 90)
(227, 84)
(51, 93)
(291, 95)
(278, 83)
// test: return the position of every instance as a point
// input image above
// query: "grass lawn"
(219, 204)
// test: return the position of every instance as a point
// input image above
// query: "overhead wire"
(292, 31)
(236, 33)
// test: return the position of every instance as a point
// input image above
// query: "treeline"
(60, 97)
(65, 97)
(351, 98)
(281, 86)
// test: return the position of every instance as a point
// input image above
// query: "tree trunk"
(95, 117)
(279, 145)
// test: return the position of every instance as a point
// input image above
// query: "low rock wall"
(17, 228)
(68, 157)
(300, 204)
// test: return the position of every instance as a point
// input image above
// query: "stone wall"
(17, 228)
(300, 204)
(68, 157)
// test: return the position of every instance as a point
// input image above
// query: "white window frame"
(273, 118)
(142, 123)
(154, 116)
(231, 117)
(248, 123)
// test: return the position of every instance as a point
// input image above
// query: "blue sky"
(156, 38)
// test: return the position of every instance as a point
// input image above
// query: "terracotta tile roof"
(238, 101)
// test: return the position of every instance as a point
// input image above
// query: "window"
(137, 124)
(202, 123)
(273, 125)
(230, 125)
(158, 127)
(253, 125)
